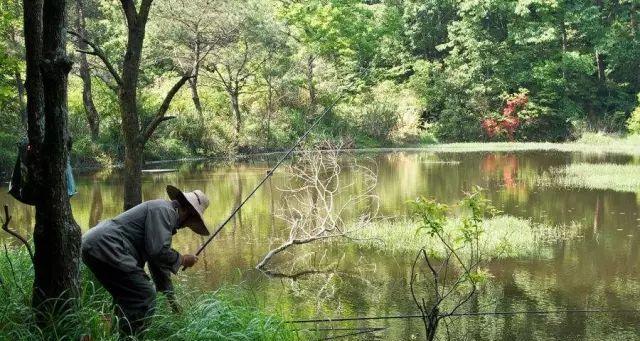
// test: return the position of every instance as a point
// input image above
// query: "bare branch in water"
(319, 197)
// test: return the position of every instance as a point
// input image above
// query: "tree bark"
(132, 175)
(269, 110)
(20, 88)
(193, 84)
(93, 117)
(56, 234)
(127, 96)
(235, 108)
(33, 84)
(601, 67)
(310, 84)
(564, 43)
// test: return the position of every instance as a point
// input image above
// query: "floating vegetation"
(504, 236)
(603, 176)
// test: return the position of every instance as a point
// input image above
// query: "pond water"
(598, 269)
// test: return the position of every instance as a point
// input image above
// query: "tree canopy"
(259, 70)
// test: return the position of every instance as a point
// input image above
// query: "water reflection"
(600, 269)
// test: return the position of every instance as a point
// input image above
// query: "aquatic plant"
(503, 236)
(602, 176)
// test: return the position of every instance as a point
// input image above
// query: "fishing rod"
(489, 313)
(270, 172)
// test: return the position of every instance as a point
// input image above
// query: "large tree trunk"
(269, 111)
(127, 96)
(311, 84)
(93, 118)
(235, 108)
(132, 175)
(601, 67)
(193, 81)
(33, 84)
(56, 234)
(193, 84)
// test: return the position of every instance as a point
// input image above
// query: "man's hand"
(189, 260)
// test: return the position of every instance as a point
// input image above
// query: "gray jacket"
(138, 236)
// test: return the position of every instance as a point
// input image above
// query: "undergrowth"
(227, 314)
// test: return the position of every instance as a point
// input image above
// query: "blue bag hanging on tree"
(20, 186)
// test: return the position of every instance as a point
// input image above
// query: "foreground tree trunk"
(56, 234)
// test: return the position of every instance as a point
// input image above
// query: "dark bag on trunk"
(20, 187)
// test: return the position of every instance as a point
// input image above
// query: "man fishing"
(116, 251)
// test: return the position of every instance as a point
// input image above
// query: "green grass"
(624, 178)
(591, 143)
(228, 314)
(504, 237)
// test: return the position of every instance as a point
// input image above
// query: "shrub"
(163, 148)
(633, 123)
(378, 119)
(541, 123)
(508, 122)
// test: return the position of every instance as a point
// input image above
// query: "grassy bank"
(504, 237)
(624, 178)
(228, 314)
(590, 143)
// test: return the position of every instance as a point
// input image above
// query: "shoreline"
(618, 146)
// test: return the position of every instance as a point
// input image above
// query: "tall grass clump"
(221, 315)
(601, 176)
(228, 314)
(503, 236)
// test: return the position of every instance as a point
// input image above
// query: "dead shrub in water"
(320, 200)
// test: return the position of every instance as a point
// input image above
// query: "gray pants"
(133, 294)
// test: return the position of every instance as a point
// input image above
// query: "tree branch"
(5, 226)
(160, 114)
(98, 52)
(130, 14)
(143, 13)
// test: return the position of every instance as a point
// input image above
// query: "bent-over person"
(117, 250)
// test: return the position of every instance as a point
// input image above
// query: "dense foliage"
(410, 71)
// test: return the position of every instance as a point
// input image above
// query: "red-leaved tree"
(509, 121)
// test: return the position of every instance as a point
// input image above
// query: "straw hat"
(198, 201)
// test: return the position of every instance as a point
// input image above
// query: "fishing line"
(280, 161)
(489, 313)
